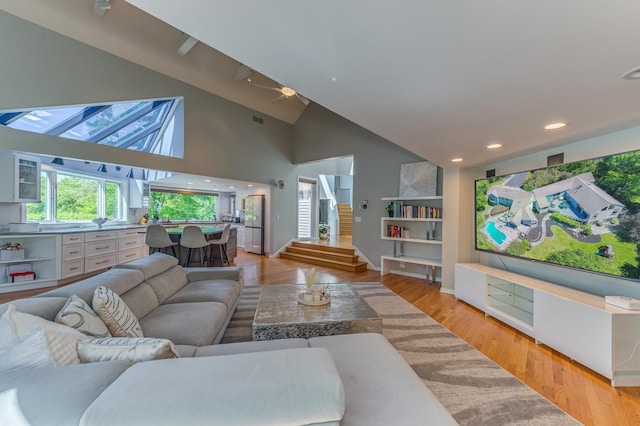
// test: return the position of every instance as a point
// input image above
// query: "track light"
(102, 168)
(130, 174)
(58, 161)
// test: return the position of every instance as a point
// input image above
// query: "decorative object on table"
(20, 272)
(323, 230)
(389, 209)
(418, 179)
(313, 296)
(12, 251)
(100, 221)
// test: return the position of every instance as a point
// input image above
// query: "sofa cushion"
(150, 266)
(44, 307)
(195, 323)
(118, 318)
(223, 291)
(286, 387)
(140, 299)
(376, 375)
(134, 349)
(61, 341)
(77, 313)
(168, 283)
(60, 395)
(118, 280)
(247, 347)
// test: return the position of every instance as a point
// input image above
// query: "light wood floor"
(582, 393)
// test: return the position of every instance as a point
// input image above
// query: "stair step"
(323, 254)
(344, 266)
(319, 247)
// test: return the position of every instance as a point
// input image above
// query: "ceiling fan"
(245, 73)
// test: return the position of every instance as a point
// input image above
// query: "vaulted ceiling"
(442, 79)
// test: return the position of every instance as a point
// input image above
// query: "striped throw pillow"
(115, 314)
(77, 313)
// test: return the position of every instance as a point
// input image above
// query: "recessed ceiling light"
(554, 126)
(494, 146)
(456, 160)
(189, 183)
(249, 185)
(632, 74)
(231, 187)
(207, 180)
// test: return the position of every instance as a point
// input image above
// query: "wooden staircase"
(345, 215)
(341, 258)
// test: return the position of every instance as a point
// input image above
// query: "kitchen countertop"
(78, 229)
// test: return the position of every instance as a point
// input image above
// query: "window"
(70, 197)
(176, 205)
(153, 126)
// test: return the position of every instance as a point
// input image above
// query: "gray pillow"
(77, 313)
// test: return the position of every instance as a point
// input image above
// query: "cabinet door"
(578, 331)
(28, 179)
(470, 286)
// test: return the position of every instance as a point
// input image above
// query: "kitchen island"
(211, 232)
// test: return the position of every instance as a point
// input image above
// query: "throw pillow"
(10, 409)
(7, 335)
(61, 342)
(116, 315)
(32, 352)
(130, 349)
(77, 313)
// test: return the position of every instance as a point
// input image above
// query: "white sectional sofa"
(355, 379)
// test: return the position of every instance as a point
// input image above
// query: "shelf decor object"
(100, 221)
(12, 251)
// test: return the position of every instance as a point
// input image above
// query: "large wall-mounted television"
(583, 215)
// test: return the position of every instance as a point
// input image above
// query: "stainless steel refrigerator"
(254, 224)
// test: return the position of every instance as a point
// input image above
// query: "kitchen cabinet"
(40, 256)
(20, 175)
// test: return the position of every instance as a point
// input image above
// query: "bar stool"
(193, 238)
(222, 244)
(158, 239)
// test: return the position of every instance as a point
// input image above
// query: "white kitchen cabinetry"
(40, 255)
(100, 250)
(416, 231)
(582, 326)
(130, 243)
(72, 254)
(20, 176)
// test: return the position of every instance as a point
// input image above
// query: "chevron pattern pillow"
(115, 314)
(77, 313)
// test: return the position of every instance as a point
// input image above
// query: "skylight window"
(137, 125)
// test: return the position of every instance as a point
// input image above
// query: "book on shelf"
(395, 231)
(419, 212)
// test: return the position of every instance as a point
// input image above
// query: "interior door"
(307, 208)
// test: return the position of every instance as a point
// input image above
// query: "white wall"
(622, 141)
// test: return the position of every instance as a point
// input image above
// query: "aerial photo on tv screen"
(583, 215)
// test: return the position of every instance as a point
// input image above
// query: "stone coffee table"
(280, 316)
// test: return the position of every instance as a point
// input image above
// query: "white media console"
(582, 326)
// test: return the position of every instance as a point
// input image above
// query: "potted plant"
(389, 209)
(323, 230)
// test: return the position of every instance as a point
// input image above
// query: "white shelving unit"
(416, 232)
(582, 326)
(42, 252)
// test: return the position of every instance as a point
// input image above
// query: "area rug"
(474, 389)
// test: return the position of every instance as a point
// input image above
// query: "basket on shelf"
(12, 251)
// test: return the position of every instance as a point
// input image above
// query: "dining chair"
(158, 239)
(222, 246)
(193, 238)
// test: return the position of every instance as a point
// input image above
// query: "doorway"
(307, 208)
